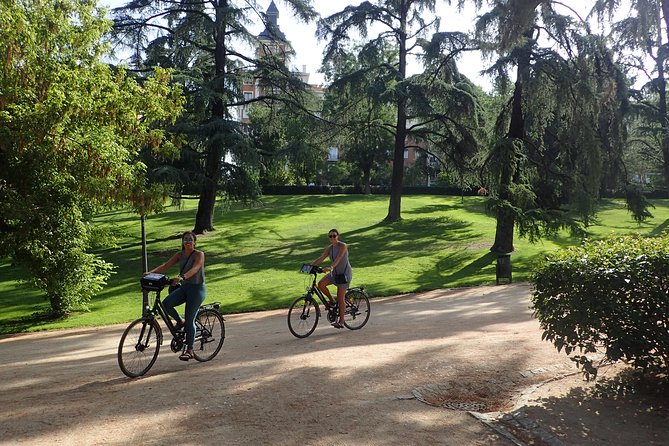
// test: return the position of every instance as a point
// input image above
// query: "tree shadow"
(611, 412)
(660, 229)
(470, 270)
(72, 379)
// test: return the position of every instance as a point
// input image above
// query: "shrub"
(610, 295)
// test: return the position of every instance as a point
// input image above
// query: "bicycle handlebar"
(311, 269)
(154, 281)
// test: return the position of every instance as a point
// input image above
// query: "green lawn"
(253, 258)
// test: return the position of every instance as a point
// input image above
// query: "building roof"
(272, 31)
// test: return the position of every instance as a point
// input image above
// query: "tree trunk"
(366, 180)
(662, 89)
(510, 170)
(394, 207)
(204, 219)
(664, 125)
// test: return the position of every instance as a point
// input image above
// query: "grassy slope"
(254, 257)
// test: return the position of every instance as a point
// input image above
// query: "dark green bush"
(380, 190)
(608, 296)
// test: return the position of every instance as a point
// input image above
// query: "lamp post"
(145, 260)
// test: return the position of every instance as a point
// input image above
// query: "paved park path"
(395, 382)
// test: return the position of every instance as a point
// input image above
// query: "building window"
(333, 154)
(248, 95)
(406, 154)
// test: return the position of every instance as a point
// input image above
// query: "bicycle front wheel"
(209, 335)
(139, 347)
(303, 316)
(357, 309)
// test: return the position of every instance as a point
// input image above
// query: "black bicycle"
(305, 312)
(141, 341)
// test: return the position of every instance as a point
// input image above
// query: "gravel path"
(408, 377)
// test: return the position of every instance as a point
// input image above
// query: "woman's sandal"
(186, 356)
(337, 325)
(179, 325)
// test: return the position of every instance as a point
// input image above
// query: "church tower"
(272, 39)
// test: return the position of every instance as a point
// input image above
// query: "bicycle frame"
(157, 310)
(140, 343)
(313, 289)
(300, 321)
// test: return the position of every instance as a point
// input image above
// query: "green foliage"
(566, 119)
(641, 38)
(638, 204)
(289, 142)
(207, 47)
(424, 104)
(355, 104)
(70, 129)
(611, 294)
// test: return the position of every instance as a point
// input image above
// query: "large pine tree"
(563, 121)
(644, 35)
(210, 46)
(404, 24)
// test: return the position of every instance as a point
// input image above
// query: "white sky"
(309, 51)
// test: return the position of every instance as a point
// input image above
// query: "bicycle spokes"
(305, 312)
(209, 334)
(357, 310)
(139, 346)
(303, 316)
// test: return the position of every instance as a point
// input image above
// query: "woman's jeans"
(193, 296)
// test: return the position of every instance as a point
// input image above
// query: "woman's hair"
(333, 230)
(192, 234)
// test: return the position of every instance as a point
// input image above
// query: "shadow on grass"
(469, 270)
(661, 229)
(374, 246)
(471, 205)
(441, 242)
(25, 323)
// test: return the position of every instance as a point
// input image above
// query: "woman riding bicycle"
(339, 272)
(189, 288)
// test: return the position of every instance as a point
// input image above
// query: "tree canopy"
(207, 44)
(405, 25)
(70, 131)
(560, 136)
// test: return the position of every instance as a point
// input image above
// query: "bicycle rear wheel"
(357, 309)
(303, 316)
(209, 334)
(139, 347)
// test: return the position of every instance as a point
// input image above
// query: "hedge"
(607, 296)
(376, 190)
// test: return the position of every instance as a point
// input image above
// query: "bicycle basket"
(154, 282)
